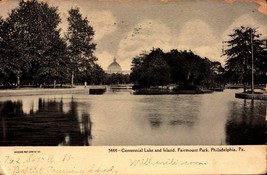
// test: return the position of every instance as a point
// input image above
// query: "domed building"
(114, 67)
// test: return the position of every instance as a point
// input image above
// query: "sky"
(126, 28)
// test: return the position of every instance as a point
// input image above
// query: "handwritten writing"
(34, 158)
(67, 164)
(36, 169)
(52, 164)
(166, 162)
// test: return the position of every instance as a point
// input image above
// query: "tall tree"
(34, 46)
(81, 48)
(151, 69)
(239, 53)
(16, 45)
(3, 73)
(189, 68)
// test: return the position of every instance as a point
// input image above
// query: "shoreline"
(255, 96)
(43, 91)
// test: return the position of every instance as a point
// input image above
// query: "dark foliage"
(239, 56)
(178, 67)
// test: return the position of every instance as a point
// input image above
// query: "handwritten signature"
(149, 161)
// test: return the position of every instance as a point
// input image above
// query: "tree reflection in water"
(155, 121)
(246, 124)
(48, 126)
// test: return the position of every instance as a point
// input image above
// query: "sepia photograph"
(122, 74)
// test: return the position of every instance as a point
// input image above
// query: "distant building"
(114, 67)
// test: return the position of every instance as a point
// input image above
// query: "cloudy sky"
(127, 28)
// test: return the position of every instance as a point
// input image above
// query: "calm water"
(119, 118)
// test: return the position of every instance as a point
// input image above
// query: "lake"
(120, 118)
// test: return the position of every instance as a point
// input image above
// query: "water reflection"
(246, 123)
(124, 119)
(171, 110)
(49, 125)
(155, 121)
(181, 122)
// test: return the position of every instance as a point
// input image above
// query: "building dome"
(114, 67)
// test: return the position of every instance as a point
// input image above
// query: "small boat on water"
(97, 90)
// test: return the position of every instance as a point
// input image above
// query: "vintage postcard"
(133, 87)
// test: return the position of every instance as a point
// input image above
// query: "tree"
(3, 73)
(218, 71)
(261, 65)
(18, 60)
(137, 68)
(55, 64)
(188, 68)
(239, 54)
(33, 44)
(150, 69)
(92, 74)
(80, 46)
(178, 67)
(158, 71)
